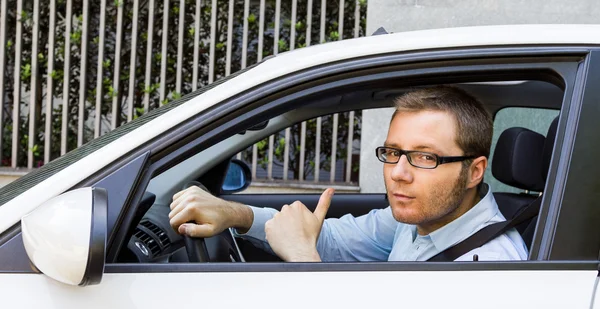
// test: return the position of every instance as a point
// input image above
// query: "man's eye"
(395, 153)
(426, 157)
(390, 152)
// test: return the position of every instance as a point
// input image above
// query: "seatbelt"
(488, 233)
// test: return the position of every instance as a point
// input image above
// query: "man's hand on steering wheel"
(197, 213)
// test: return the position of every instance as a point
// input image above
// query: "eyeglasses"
(418, 159)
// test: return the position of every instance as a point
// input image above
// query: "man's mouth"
(402, 197)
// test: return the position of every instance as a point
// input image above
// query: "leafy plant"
(142, 89)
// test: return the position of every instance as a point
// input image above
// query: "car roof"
(504, 35)
(74, 167)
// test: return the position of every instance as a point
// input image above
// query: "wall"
(407, 15)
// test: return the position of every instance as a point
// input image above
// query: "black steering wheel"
(219, 248)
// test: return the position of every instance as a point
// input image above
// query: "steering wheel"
(219, 248)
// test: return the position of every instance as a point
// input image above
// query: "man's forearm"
(312, 256)
(241, 217)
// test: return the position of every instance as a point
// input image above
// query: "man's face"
(423, 196)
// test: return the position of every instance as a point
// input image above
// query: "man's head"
(445, 122)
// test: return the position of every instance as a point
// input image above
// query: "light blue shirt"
(377, 236)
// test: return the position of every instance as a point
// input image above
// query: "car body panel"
(406, 289)
(288, 63)
(596, 296)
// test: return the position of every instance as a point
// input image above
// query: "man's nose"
(402, 170)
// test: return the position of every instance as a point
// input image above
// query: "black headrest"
(548, 146)
(517, 159)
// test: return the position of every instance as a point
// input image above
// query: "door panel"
(596, 298)
(350, 289)
(341, 204)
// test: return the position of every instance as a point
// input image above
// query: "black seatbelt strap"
(487, 233)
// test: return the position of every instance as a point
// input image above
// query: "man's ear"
(476, 171)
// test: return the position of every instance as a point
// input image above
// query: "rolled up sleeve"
(256, 234)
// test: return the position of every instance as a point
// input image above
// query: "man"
(435, 156)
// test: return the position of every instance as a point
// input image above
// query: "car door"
(354, 203)
(560, 274)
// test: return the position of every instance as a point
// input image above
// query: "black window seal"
(354, 267)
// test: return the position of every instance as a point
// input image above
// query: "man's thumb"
(195, 230)
(323, 205)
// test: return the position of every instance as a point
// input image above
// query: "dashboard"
(154, 241)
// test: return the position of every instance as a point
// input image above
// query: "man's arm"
(365, 238)
(211, 215)
(256, 232)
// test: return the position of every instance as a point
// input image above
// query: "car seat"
(517, 162)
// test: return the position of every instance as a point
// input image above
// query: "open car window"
(210, 167)
(207, 161)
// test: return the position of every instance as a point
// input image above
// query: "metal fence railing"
(74, 70)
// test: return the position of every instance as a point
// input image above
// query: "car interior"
(520, 159)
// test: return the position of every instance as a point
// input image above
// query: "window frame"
(576, 182)
(189, 137)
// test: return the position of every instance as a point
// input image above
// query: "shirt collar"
(467, 224)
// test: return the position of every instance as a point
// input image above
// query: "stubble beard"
(442, 201)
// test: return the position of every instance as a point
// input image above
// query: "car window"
(308, 157)
(205, 159)
(280, 162)
(535, 119)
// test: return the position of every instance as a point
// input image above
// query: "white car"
(90, 229)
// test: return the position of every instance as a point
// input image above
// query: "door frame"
(249, 108)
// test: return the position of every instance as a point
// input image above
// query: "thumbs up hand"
(293, 232)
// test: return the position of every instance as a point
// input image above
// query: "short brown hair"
(474, 123)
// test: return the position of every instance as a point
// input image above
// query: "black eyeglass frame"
(439, 159)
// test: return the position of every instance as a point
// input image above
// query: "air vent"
(160, 234)
(148, 241)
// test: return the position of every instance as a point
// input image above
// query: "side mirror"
(238, 177)
(65, 237)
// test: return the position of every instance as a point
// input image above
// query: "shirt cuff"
(257, 230)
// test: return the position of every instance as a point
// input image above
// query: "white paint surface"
(57, 235)
(596, 299)
(402, 289)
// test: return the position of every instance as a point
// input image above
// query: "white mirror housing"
(65, 237)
